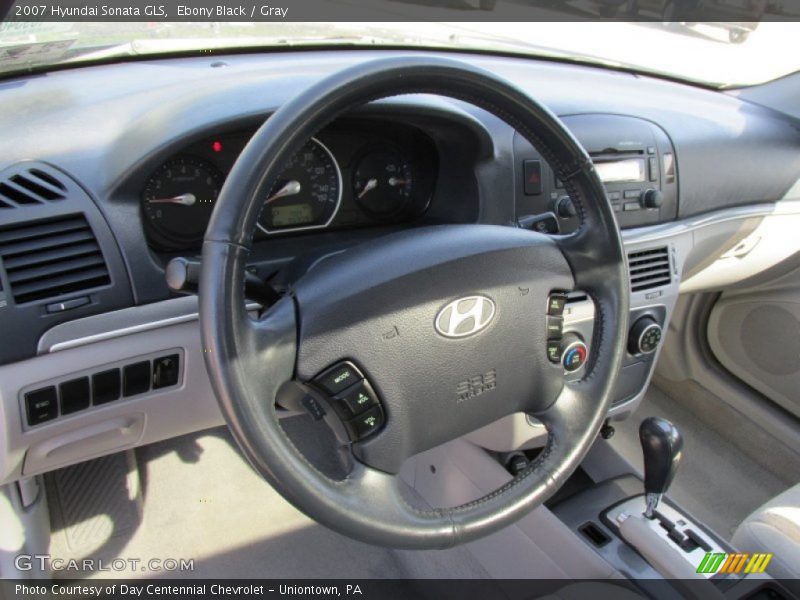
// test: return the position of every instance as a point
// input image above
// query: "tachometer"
(307, 194)
(179, 197)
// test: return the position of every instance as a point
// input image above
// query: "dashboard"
(102, 185)
(354, 174)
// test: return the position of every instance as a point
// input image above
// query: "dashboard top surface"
(114, 115)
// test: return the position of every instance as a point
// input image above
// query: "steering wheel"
(437, 330)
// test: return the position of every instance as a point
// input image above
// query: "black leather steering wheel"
(341, 310)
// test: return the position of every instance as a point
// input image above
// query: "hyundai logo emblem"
(465, 316)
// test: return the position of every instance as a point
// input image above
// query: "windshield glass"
(718, 54)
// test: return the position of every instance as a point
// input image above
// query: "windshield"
(717, 54)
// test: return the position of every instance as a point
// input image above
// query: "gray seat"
(775, 528)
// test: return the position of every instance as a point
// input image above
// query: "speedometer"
(307, 194)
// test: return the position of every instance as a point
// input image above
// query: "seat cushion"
(775, 527)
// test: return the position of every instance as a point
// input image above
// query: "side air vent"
(30, 186)
(50, 258)
(649, 269)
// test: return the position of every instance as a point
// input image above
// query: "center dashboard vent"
(30, 186)
(50, 258)
(649, 269)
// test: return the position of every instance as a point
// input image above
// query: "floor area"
(200, 499)
(730, 466)
(195, 497)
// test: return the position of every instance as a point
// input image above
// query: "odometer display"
(307, 193)
(293, 214)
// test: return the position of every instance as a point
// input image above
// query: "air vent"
(47, 259)
(649, 269)
(30, 186)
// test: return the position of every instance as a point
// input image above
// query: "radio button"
(614, 196)
(355, 400)
(631, 206)
(632, 194)
(653, 198)
(338, 378)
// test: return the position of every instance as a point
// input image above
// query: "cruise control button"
(338, 378)
(555, 304)
(365, 424)
(355, 400)
(555, 326)
(554, 351)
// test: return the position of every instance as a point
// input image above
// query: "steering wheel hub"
(377, 305)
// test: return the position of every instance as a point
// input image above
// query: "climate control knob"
(572, 352)
(644, 337)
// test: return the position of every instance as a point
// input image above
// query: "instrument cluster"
(353, 174)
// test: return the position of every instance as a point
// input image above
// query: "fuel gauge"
(382, 183)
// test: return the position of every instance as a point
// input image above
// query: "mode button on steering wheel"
(338, 378)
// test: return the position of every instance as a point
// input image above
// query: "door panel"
(755, 334)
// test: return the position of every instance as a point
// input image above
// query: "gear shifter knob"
(661, 445)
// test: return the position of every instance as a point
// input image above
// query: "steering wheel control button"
(365, 424)
(556, 304)
(645, 336)
(41, 405)
(75, 395)
(338, 378)
(355, 400)
(554, 351)
(313, 407)
(555, 327)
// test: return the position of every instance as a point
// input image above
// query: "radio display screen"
(631, 169)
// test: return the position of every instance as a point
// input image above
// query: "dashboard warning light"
(216, 146)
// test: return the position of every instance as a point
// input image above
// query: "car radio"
(633, 158)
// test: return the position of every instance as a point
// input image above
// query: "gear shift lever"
(662, 445)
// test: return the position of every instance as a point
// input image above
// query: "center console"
(654, 542)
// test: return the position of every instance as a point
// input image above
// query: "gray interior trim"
(135, 319)
(179, 310)
(789, 206)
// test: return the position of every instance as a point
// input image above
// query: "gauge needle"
(393, 181)
(183, 199)
(290, 189)
(371, 185)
